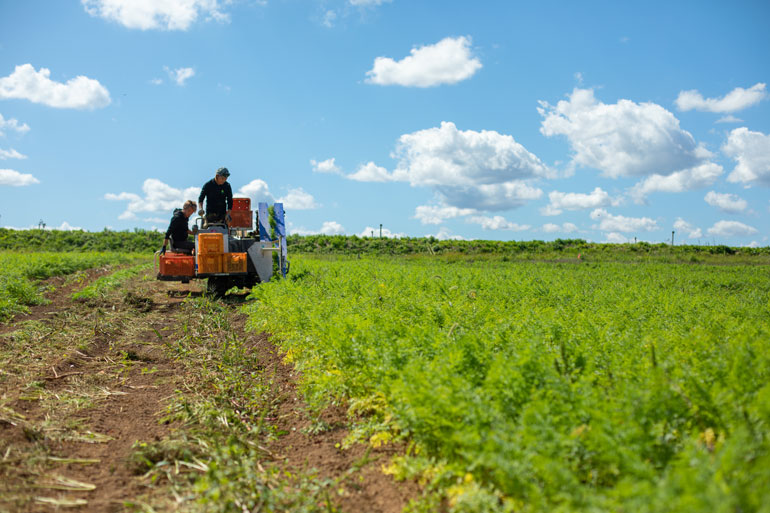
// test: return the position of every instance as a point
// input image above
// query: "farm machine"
(233, 254)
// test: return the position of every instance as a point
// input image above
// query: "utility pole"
(380, 230)
(672, 237)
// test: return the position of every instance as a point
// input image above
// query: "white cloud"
(327, 228)
(622, 139)
(11, 154)
(298, 199)
(611, 223)
(36, 86)
(180, 75)
(428, 214)
(156, 81)
(497, 223)
(371, 172)
(737, 99)
(694, 178)
(328, 19)
(616, 238)
(326, 166)
(257, 190)
(481, 170)
(386, 233)
(447, 62)
(158, 197)
(555, 228)
(693, 232)
(16, 179)
(368, 3)
(560, 201)
(445, 234)
(729, 119)
(12, 124)
(731, 229)
(155, 14)
(726, 202)
(752, 151)
(65, 226)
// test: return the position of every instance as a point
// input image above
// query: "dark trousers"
(182, 245)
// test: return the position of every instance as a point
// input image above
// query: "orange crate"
(242, 219)
(241, 203)
(211, 243)
(234, 263)
(209, 263)
(174, 264)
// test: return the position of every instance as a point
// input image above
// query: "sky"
(605, 121)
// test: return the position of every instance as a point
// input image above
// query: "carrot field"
(541, 386)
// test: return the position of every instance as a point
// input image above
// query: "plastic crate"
(210, 243)
(177, 264)
(234, 263)
(209, 263)
(241, 203)
(242, 219)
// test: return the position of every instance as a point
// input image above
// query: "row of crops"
(21, 274)
(531, 386)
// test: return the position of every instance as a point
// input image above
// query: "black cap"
(222, 171)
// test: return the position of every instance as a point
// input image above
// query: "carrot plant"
(536, 386)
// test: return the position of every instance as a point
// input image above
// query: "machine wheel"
(217, 286)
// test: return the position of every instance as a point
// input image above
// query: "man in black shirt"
(219, 198)
(178, 229)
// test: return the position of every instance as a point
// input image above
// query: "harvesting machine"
(233, 254)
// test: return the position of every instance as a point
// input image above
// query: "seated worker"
(178, 229)
(219, 198)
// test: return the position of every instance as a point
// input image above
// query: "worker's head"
(221, 176)
(189, 208)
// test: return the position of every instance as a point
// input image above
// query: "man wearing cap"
(219, 198)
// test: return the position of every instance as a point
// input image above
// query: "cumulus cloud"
(298, 199)
(752, 152)
(158, 197)
(371, 172)
(737, 99)
(445, 234)
(447, 62)
(257, 190)
(179, 75)
(729, 203)
(328, 19)
(616, 238)
(16, 179)
(731, 229)
(153, 14)
(327, 228)
(386, 233)
(11, 154)
(325, 166)
(694, 178)
(497, 223)
(12, 124)
(693, 232)
(621, 139)
(560, 201)
(612, 223)
(563, 228)
(36, 86)
(428, 214)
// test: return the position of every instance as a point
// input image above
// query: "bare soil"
(126, 376)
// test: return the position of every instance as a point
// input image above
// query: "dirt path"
(87, 395)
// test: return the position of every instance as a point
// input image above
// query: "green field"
(536, 386)
(21, 274)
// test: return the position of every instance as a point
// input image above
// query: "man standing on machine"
(219, 198)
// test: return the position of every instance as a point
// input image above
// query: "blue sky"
(607, 121)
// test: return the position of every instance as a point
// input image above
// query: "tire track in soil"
(137, 399)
